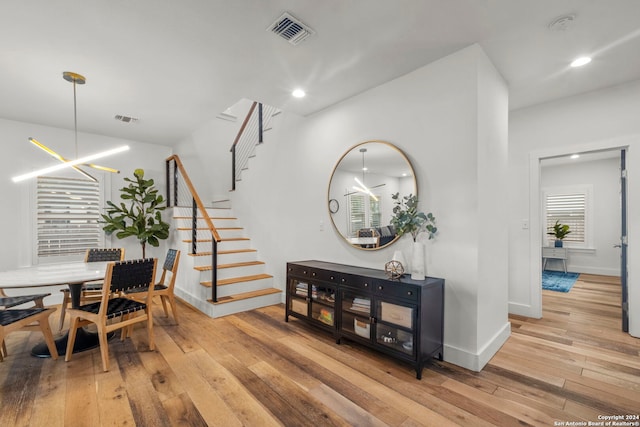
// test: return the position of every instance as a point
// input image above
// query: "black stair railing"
(178, 191)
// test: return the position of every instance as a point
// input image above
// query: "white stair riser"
(241, 287)
(213, 212)
(232, 258)
(246, 304)
(231, 245)
(236, 257)
(201, 223)
(228, 273)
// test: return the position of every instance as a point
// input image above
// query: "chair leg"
(48, 337)
(73, 328)
(172, 301)
(63, 309)
(104, 347)
(164, 305)
(152, 344)
(3, 350)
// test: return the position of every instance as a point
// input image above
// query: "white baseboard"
(523, 310)
(476, 362)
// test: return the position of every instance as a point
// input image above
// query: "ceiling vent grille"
(291, 29)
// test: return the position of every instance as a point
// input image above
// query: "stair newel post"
(168, 181)
(260, 123)
(214, 269)
(233, 167)
(194, 227)
(175, 182)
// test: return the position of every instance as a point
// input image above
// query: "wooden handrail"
(194, 194)
(244, 125)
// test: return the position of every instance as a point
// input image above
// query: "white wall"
(450, 118)
(598, 120)
(16, 249)
(603, 176)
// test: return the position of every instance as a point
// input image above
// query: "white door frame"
(535, 206)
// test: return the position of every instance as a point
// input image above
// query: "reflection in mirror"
(360, 191)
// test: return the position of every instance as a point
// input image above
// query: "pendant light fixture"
(76, 79)
(362, 187)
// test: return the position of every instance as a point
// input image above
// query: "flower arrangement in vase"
(408, 220)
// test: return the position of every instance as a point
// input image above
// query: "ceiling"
(175, 65)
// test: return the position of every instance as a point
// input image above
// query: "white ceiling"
(177, 64)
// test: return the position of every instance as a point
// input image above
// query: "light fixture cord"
(75, 116)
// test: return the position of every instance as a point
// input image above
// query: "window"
(569, 206)
(364, 212)
(68, 211)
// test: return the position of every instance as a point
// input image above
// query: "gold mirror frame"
(385, 163)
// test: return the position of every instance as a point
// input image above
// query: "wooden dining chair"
(13, 301)
(91, 290)
(164, 287)
(24, 318)
(110, 314)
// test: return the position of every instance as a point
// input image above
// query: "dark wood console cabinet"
(402, 318)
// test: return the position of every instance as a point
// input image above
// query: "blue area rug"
(558, 281)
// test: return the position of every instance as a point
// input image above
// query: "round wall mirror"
(360, 190)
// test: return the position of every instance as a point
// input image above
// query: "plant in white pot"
(408, 220)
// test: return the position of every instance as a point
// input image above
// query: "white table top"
(53, 274)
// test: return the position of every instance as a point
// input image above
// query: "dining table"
(72, 274)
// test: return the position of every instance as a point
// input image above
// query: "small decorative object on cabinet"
(394, 269)
(401, 318)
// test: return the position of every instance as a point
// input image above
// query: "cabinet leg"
(337, 340)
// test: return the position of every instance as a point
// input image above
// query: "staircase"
(242, 279)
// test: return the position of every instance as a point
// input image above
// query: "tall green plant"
(407, 219)
(140, 216)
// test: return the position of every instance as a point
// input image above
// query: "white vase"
(418, 271)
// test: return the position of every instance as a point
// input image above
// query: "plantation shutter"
(68, 211)
(569, 209)
(356, 213)
(374, 212)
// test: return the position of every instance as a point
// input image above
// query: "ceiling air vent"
(126, 119)
(291, 29)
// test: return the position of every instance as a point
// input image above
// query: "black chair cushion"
(116, 307)
(20, 299)
(8, 317)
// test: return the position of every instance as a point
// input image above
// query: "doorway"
(594, 187)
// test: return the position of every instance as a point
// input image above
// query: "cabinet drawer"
(554, 253)
(324, 275)
(297, 270)
(356, 282)
(397, 290)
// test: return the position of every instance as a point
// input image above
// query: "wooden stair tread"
(240, 279)
(245, 295)
(232, 265)
(232, 251)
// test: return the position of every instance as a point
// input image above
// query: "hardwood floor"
(254, 369)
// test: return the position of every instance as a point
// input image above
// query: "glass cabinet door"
(323, 300)
(356, 314)
(395, 326)
(299, 292)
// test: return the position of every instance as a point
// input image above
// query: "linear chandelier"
(66, 163)
(362, 187)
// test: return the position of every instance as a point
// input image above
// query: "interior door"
(623, 241)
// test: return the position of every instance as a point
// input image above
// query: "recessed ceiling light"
(579, 62)
(298, 93)
(575, 156)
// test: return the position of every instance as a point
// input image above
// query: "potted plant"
(407, 219)
(559, 231)
(141, 217)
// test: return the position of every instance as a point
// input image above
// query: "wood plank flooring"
(253, 369)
